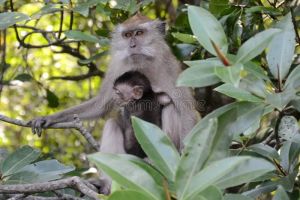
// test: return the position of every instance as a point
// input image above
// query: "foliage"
(22, 167)
(246, 50)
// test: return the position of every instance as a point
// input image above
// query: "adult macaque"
(137, 45)
(133, 93)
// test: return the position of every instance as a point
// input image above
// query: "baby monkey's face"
(126, 94)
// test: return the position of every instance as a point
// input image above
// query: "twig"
(79, 77)
(67, 125)
(72, 182)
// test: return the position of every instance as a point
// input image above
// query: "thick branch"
(76, 124)
(72, 182)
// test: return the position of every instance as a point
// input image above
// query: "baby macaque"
(133, 93)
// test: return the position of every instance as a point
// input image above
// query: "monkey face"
(138, 38)
(126, 94)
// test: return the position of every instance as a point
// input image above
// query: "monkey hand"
(38, 124)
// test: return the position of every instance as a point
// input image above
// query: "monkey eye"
(139, 32)
(128, 34)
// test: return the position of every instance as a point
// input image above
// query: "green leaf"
(280, 100)
(194, 155)
(230, 74)
(236, 197)
(265, 151)
(281, 194)
(126, 5)
(247, 114)
(158, 147)
(17, 160)
(211, 192)
(292, 81)
(128, 195)
(289, 155)
(216, 7)
(48, 170)
(255, 69)
(52, 99)
(207, 28)
(254, 85)
(23, 77)
(237, 93)
(47, 9)
(186, 38)
(10, 18)
(281, 49)
(129, 174)
(234, 171)
(83, 8)
(296, 104)
(81, 36)
(21, 178)
(262, 9)
(255, 45)
(200, 74)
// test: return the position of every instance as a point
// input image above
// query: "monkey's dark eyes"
(128, 34)
(139, 33)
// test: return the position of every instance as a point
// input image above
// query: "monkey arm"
(96, 107)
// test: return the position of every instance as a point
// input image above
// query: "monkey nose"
(132, 45)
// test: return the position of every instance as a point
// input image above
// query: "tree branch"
(72, 182)
(76, 124)
(79, 77)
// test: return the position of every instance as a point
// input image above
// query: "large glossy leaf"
(246, 114)
(230, 74)
(265, 151)
(292, 81)
(236, 197)
(207, 28)
(237, 93)
(210, 193)
(48, 170)
(289, 155)
(17, 160)
(254, 85)
(281, 49)
(21, 178)
(125, 171)
(10, 18)
(186, 38)
(280, 100)
(200, 74)
(81, 36)
(158, 147)
(229, 172)
(128, 195)
(194, 155)
(255, 45)
(281, 194)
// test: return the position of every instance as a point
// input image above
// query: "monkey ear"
(138, 92)
(161, 26)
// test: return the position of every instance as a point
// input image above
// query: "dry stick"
(72, 182)
(76, 124)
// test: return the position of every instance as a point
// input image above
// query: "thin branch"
(61, 20)
(72, 182)
(67, 125)
(79, 77)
